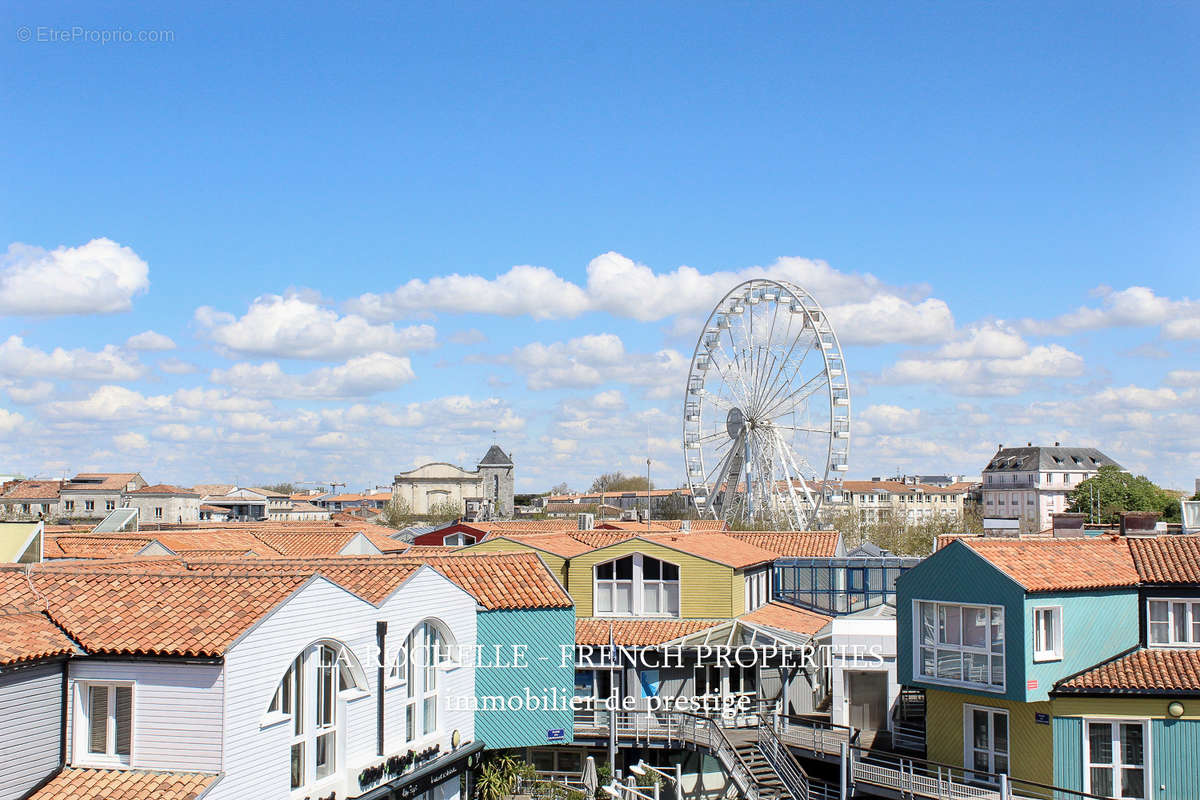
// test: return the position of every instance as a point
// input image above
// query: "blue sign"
(556, 733)
(1041, 719)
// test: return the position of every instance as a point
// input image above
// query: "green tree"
(1112, 490)
(620, 482)
(282, 488)
(499, 776)
(396, 513)
(444, 511)
(560, 488)
(674, 507)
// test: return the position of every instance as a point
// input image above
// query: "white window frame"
(990, 651)
(1147, 761)
(1044, 653)
(638, 585)
(82, 754)
(969, 741)
(457, 540)
(1191, 621)
(758, 589)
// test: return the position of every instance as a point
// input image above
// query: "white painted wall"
(30, 706)
(257, 757)
(853, 640)
(175, 509)
(177, 711)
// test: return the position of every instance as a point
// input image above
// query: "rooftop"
(33, 490)
(124, 784)
(30, 635)
(637, 632)
(1144, 671)
(1048, 565)
(1025, 459)
(1167, 559)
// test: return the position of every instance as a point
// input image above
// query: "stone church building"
(483, 493)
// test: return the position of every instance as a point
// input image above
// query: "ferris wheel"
(766, 414)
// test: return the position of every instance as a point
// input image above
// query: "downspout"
(381, 640)
(62, 727)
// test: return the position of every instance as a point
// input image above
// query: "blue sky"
(977, 172)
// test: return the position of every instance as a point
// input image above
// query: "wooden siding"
(955, 574)
(1029, 741)
(1112, 707)
(706, 590)
(177, 711)
(1068, 748)
(1174, 746)
(256, 757)
(1096, 626)
(545, 632)
(31, 707)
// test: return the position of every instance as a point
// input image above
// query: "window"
(758, 589)
(1174, 622)
(107, 723)
(89, 505)
(637, 585)
(1116, 758)
(110, 505)
(428, 651)
(69, 505)
(1047, 634)
(985, 740)
(959, 645)
(311, 692)
(457, 539)
(158, 512)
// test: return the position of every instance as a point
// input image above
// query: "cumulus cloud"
(885, 418)
(10, 421)
(358, 377)
(109, 364)
(987, 376)
(36, 392)
(149, 340)
(863, 308)
(100, 277)
(536, 291)
(1136, 306)
(1183, 377)
(131, 441)
(985, 341)
(296, 327)
(596, 360)
(109, 403)
(177, 366)
(469, 336)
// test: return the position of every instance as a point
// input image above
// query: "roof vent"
(1138, 523)
(1067, 526)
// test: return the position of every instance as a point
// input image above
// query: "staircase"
(745, 741)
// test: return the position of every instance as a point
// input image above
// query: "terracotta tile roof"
(272, 539)
(519, 525)
(106, 481)
(29, 636)
(164, 488)
(703, 525)
(124, 784)
(791, 544)
(33, 490)
(98, 546)
(716, 547)
(560, 544)
(159, 613)
(1047, 565)
(594, 631)
(502, 580)
(787, 617)
(429, 550)
(1167, 559)
(1149, 670)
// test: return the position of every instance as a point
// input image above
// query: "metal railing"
(908, 736)
(814, 735)
(785, 765)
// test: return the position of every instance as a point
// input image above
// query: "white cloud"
(131, 441)
(109, 403)
(99, 277)
(863, 308)
(985, 341)
(10, 421)
(596, 360)
(987, 376)
(884, 418)
(200, 399)
(149, 340)
(469, 336)
(295, 327)
(177, 366)
(108, 364)
(536, 291)
(36, 392)
(1183, 377)
(1136, 306)
(358, 377)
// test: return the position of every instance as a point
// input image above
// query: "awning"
(421, 780)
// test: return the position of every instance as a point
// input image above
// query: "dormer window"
(1174, 623)
(104, 724)
(637, 585)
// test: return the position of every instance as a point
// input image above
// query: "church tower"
(496, 475)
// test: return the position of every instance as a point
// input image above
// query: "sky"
(309, 243)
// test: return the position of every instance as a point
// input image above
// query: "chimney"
(1067, 526)
(1138, 523)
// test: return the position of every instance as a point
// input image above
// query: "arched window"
(637, 585)
(323, 676)
(429, 649)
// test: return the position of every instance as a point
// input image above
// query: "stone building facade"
(485, 492)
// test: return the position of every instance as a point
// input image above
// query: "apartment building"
(1032, 483)
(877, 499)
(92, 495)
(31, 500)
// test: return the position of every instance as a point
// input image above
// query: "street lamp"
(615, 790)
(675, 776)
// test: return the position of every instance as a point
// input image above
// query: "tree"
(894, 532)
(1112, 490)
(396, 514)
(620, 482)
(560, 488)
(500, 775)
(674, 507)
(444, 511)
(281, 488)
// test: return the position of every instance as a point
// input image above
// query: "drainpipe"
(62, 732)
(381, 641)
